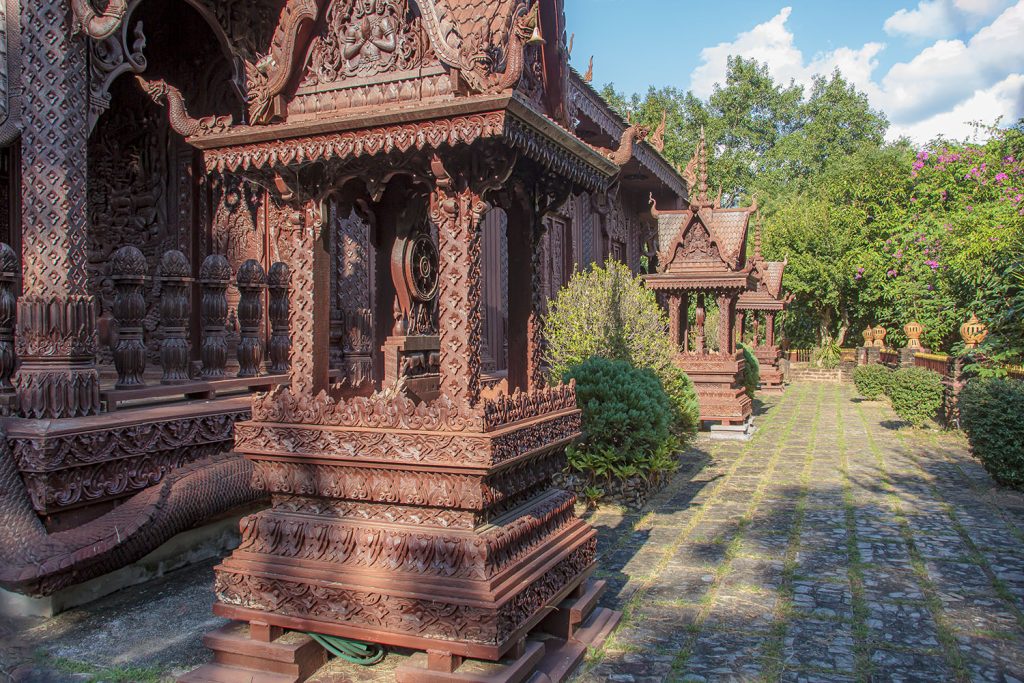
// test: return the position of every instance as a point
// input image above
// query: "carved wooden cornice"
(517, 122)
(590, 103)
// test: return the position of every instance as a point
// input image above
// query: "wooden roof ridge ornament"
(757, 239)
(266, 79)
(97, 25)
(633, 134)
(475, 66)
(161, 92)
(657, 139)
(589, 76)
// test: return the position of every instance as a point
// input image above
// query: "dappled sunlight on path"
(836, 545)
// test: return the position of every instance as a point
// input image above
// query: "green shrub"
(990, 413)
(686, 407)
(626, 421)
(607, 312)
(751, 370)
(827, 355)
(916, 394)
(872, 381)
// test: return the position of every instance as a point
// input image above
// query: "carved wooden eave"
(588, 102)
(701, 281)
(767, 294)
(428, 126)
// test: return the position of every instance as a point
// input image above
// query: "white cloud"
(942, 18)
(1005, 99)
(946, 83)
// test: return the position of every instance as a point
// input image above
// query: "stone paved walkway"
(833, 546)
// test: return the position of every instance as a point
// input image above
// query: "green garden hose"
(355, 651)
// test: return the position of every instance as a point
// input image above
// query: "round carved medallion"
(419, 267)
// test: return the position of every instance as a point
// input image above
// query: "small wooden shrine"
(766, 301)
(701, 256)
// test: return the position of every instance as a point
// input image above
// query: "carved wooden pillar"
(698, 342)
(675, 329)
(175, 310)
(56, 326)
(684, 320)
(8, 304)
(726, 317)
(307, 253)
(251, 283)
(738, 336)
(534, 325)
(769, 328)
(128, 268)
(280, 343)
(214, 276)
(757, 331)
(457, 211)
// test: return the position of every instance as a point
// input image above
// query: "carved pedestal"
(416, 359)
(718, 379)
(423, 526)
(771, 375)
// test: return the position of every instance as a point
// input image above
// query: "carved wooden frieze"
(69, 469)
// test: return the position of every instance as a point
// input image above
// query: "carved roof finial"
(589, 76)
(658, 136)
(702, 169)
(757, 239)
(572, 39)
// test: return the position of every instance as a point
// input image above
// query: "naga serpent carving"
(97, 25)
(632, 135)
(35, 562)
(476, 66)
(161, 91)
(265, 80)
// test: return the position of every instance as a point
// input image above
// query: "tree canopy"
(875, 232)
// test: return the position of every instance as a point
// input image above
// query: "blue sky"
(932, 65)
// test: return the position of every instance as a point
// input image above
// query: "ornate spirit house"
(702, 257)
(260, 255)
(762, 305)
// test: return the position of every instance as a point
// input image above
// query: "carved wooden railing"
(211, 377)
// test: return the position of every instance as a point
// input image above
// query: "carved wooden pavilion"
(289, 197)
(701, 254)
(767, 300)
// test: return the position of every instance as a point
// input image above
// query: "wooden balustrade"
(279, 350)
(175, 310)
(251, 282)
(9, 272)
(214, 276)
(128, 268)
(934, 362)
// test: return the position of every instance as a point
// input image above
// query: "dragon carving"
(476, 61)
(632, 135)
(267, 78)
(658, 136)
(177, 114)
(97, 25)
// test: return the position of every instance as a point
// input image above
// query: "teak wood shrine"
(702, 255)
(767, 300)
(261, 254)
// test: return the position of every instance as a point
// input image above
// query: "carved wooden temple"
(260, 257)
(762, 305)
(701, 256)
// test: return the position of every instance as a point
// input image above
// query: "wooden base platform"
(259, 653)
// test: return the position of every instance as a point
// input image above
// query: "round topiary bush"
(872, 381)
(751, 370)
(990, 413)
(916, 394)
(626, 419)
(607, 312)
